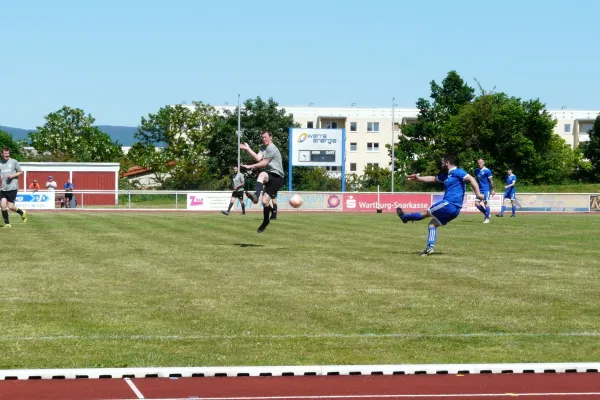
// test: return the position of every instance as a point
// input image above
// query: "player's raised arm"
(424, 179)
(245, 146)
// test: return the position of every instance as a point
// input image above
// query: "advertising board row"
(388, 202)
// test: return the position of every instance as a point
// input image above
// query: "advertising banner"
(312, 201)
(553, 202)
(495, 202)
(388, 202)
(39, 201)
(208, 201)
(595, 203)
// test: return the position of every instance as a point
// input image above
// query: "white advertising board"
(208, 201)
(316, 147)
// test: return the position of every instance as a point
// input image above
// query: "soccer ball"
(296, 201)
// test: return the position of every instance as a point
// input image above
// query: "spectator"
(68, 193)
(34, 186)
(51, 184)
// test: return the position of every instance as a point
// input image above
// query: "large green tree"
(256, 116)
(414, 150)
(591, 149)
(173, 142)
(6, 140)
(70, 135)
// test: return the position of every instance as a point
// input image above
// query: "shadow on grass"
(247, 245)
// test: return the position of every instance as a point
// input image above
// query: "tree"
(6, 140)
(414, 150)
(70, 135)
(592, 149)
(174, 142)
(256, 116)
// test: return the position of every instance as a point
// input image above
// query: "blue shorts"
(486, 195)
(444, 212)
(509, 194)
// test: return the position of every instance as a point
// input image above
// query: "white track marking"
(386, 396)
(299, 336)
(137, 392)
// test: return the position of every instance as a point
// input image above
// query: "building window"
(373, 164)
(567, 128)
(353, 127)
(331, 125)
(372, 126)
(373, 147)
(309, 125)
(333, 168)
(396, 127)
(353, 147)
(585, 128)
(353, 167)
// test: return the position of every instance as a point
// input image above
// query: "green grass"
(191, 289)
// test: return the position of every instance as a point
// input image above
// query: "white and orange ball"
(296, 201)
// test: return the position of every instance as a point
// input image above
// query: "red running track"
(563, 386)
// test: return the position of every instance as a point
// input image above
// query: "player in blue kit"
(454, 180)
(510, 192)
(486, 186)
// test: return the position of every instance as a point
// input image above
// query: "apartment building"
(369, 130)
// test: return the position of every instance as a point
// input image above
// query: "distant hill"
(123, 134)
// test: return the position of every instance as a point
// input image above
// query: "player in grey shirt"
(238, 191)
(271, 179)
(10, 171)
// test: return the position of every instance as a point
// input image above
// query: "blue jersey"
(509, 180)
(454, 184)
(483, 176)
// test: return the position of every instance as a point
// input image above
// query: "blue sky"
(120, 61)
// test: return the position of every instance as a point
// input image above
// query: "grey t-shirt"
(238, 180)
(8, 167)
(272, 153)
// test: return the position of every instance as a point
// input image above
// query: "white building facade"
(369, 130)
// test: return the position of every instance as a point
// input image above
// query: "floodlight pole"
(393, 155)
(239, 132)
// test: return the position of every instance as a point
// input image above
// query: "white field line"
(137, 392)
(390, 396)
(300, 336)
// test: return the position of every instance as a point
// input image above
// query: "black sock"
(19, 211)
(243, 208)
(258, 189)
(266, 212)
(274, 209)
(5, 216)
(229, 208)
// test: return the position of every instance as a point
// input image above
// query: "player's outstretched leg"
(266, 201)
(409, 217)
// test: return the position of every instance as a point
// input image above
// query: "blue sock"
(413, 217)
(487, 212)
(431, 237)
(502, 209)
(514, 210)
(480, 208)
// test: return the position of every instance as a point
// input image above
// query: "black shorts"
(238, 194)
(69, 195)
(9, 195)
(273, 185)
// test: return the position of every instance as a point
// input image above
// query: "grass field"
(190, 289)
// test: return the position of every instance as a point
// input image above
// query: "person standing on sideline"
(486, 185)
(449, 207)
(68, 186)
(271, 179)
(238, 191)
(510, 192)
(51, 185)
(10, 171)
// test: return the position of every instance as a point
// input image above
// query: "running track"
(547, 386)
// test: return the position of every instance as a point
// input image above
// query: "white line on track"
(388, 396)
(137, 392)
(300, 336)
